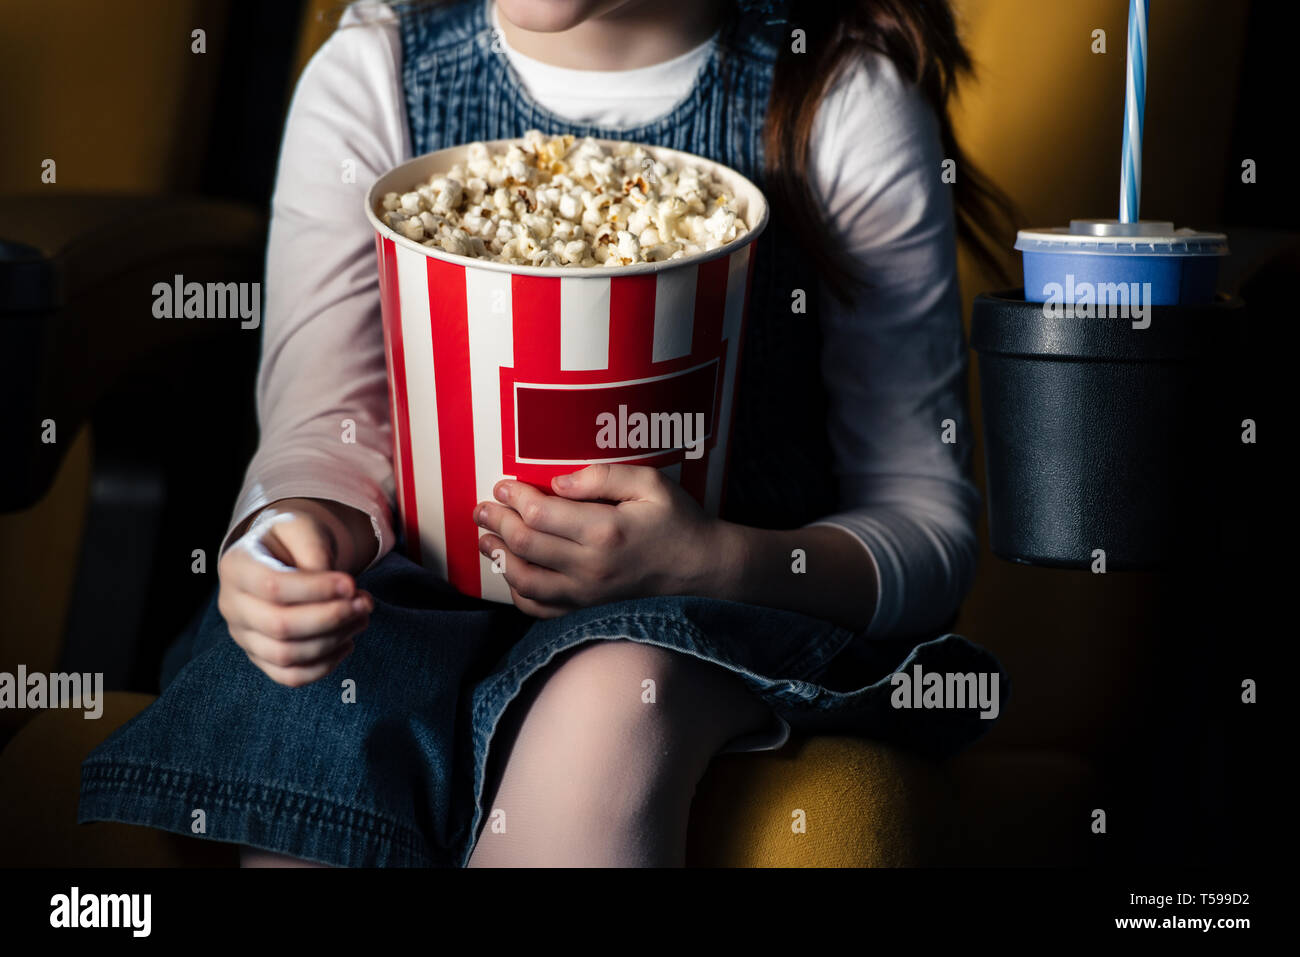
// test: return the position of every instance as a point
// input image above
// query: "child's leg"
(600, 767)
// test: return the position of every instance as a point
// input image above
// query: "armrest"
(77, 274)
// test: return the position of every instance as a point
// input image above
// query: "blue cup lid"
(1113, 238)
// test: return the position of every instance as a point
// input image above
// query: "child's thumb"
(310, 544)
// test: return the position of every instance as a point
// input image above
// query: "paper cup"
(1115, 262)
(528, 372)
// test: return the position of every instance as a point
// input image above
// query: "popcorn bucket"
(528, 372)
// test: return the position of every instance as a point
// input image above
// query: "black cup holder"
(1099, 435)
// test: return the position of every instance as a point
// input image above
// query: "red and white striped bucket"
(498, 371)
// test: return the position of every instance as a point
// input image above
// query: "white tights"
(595, 763)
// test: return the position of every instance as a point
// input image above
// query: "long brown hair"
(920, 38)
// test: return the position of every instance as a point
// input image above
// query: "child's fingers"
(282, 622)
(247, 573)
(291, 654)
(550, 513)
(543, 586)
(615, 483)
(542, 548)
(536, 608)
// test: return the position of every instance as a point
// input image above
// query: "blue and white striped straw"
(1135, 103)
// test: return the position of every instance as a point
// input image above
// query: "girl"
(337, 705)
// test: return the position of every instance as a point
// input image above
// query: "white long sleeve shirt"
(893, 361)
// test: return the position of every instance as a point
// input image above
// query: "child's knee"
(621, 695)
(602, 691)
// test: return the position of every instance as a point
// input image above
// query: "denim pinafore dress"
(383, 763)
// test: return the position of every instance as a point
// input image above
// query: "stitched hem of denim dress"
(282, 820)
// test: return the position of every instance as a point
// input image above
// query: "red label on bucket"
(616, 422)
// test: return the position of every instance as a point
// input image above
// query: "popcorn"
(629, 250)
(569, 207)
(449, 196)
(554, 201)
(662, 251)
(576, 252)
(721, 226)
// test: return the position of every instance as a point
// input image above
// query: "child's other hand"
(288, 606)
(610, 532)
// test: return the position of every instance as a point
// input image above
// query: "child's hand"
(562, 552)
(287, 605)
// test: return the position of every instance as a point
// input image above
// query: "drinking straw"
(1135, 102)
